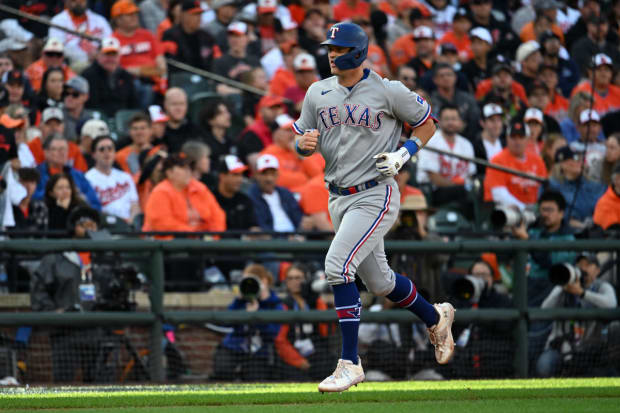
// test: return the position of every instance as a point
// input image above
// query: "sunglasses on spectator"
(409, 78)
(106, 148)
(53, 54)
(72, 93)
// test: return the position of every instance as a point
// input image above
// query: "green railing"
(521, 314)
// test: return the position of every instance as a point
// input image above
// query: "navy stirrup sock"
(405, 295)
(348, 306)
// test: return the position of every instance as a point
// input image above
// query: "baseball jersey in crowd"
(116, 191)
(346, 123)
(76, 48)
(607, 210)
(603, 104)
(446, 166)
(141, 49)
(525, 190)
(462, 44)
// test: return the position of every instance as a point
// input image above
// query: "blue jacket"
(80, 182)
(241, 338)
(568, 76)
(264, 218)
(588, 195)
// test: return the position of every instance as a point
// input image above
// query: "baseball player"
(354, 119)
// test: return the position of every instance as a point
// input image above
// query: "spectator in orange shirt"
(141, 53)
(283, 78)
(542, 23)
(140, 133)
(181, 203)
(557, 107)
(314, 197)
(258, 135)
(305, 75)
(53, 56)
(504, 188)
(376, 59)
(606, 95)
(503, 90)
(52, 122)
(607, 210)
(294, 171)
(425, 50)
(349, 9)
(459, 35)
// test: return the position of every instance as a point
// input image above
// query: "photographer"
(248, 352)
(486, 348)
(577, 347)
(61, 284)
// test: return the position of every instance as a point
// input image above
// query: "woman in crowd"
(51, 89)
(61, 197)
(199, 155)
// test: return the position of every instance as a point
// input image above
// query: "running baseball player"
(354, 119)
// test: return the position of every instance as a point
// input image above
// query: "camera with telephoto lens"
(114, 287)
(564, 273)
(249, 288)
(468, 288)
(504, 216)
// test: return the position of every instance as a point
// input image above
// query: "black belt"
(352, 189)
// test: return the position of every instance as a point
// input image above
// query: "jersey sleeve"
(407, 105)
(307, 118)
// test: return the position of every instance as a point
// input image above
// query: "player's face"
(334, 52)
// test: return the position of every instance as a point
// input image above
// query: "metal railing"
(521, 314)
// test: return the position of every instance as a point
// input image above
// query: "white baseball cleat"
(441, 333)
(346, 375)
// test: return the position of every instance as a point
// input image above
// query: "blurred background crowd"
(111, 136)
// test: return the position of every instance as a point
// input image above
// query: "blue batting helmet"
(348, 35)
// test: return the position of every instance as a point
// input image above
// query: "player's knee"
(380, 286)
(334, 272)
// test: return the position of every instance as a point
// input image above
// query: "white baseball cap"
(534, 114)
(52, 113)
(237, 28)
(482, 34)
(232, 164)
(284, 121)
(304, 61)
(588, 115)
(288, 23)
(492, 109)
(267, 6)
(53, 45)
(423, 32)
(267, 161)
(110, 44)
(95, 128)
(157, 114)
(526, 49)
(601, 59)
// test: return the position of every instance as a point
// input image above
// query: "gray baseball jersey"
(354, 125)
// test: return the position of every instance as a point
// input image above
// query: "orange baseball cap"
(270, 100)
(123, 7)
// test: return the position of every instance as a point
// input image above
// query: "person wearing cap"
(593, 43)
(588, 9)
(20, 92)
(606, 94)
(578, 191)
(504, 39)
(566, 69)
(445, 78)
(258, 135)
(304, 66)
(547, 10)
(590, 129)
(111, 87)
(491, 139)
(238, 206)
(52, 122)
(607, 209)
(502, 89)
(294, 172)
(275, 206)
(192, 45)
(448, 177)
(141, 53)
(75, 95)
(446, 54)
(404, 48)
(52, 56)
(216, 122)
(115, 189)
(181, 202)
(91, 130)
(504, 188)
(285, 38)
(538, 97)
(236, 60)
(557, 106)
(141, 136)
(76, 16)
(376, 59)
(179, 127)
(56, 150)
(536, 129)
(424, 50)
(530, 59)
(579, 348)
(158, 122)
(282, 73)
(311, 34)
(225, 11)
(459, 35)
(478, 66)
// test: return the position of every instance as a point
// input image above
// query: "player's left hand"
(389, 163)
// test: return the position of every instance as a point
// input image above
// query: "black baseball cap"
(565, 152)
(15, 77)
(192, 6)
(517, 128)
(501, 64)
(231, 164)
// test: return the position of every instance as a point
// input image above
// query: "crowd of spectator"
(110, 122)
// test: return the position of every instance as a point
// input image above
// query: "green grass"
(554, 395)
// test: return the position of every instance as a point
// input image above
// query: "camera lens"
(249, 288)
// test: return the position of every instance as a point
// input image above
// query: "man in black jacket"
(111, 86)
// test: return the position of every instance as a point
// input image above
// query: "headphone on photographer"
(82, 212)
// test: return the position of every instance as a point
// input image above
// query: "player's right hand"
(309, 140)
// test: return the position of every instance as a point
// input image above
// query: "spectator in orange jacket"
(181, 203)
(607, 209)
(53, 55)
(294, 170)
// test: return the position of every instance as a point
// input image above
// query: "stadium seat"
(448, 221)
(121, 118)
(191, 83)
